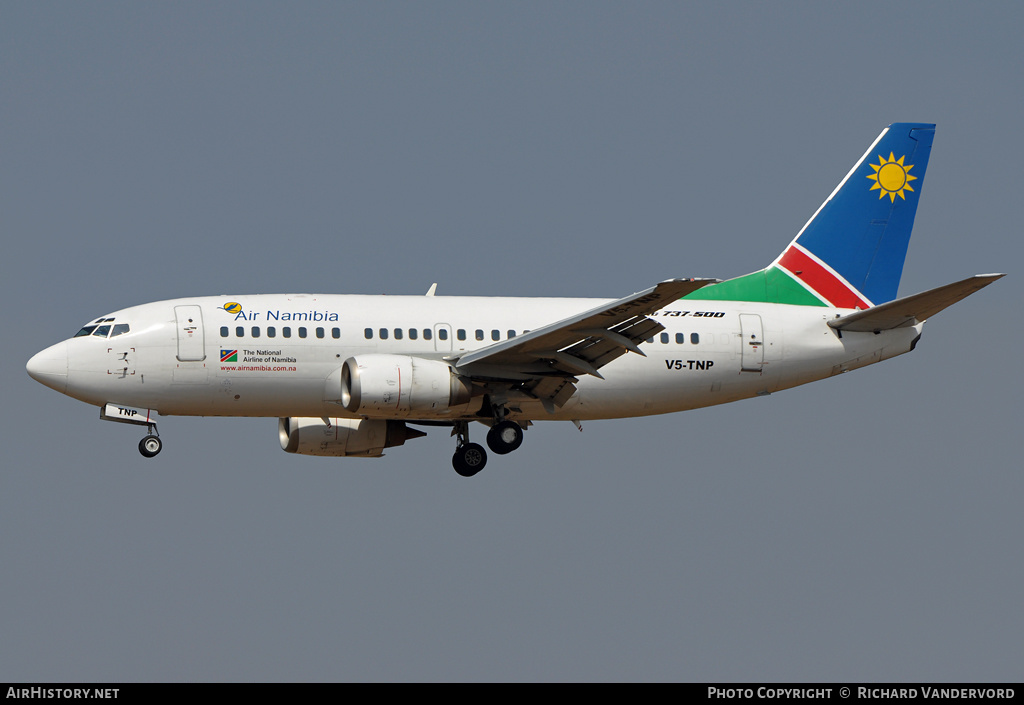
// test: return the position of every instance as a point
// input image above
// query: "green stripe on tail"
(767, 286)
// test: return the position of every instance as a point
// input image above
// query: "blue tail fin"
(850, 253)
(862, 231)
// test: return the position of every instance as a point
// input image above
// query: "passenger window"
(495, 335)
(429, 334)
(413, 334)
(511, 334)
(319, 332)
(122, 328)
(255, 331)
(85, 331)
(335, 333)
(694, 338)
(398, 333)
(368, 333)
(461, 334)
(650, 340)
(286, 332)
(383, 333)
(664, 338)
(224, 331)
(102, 331)
(271, 331)
(302, 331)
(479, 334)
(680, 338)
(239, 332)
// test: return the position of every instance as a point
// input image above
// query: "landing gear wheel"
(150, 446)
(469, 459)
(504, 437)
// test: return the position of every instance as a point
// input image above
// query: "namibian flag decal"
(229, 356)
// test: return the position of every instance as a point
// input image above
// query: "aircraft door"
(752, 342)
(442, 337)
(191, 338)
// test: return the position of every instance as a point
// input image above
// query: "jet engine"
(399, 385)
(363, 438)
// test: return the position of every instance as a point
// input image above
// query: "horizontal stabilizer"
(912, 309)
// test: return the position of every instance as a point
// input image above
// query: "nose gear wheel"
(150, 446)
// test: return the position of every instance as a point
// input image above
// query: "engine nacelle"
(364, 438)
(399, 385)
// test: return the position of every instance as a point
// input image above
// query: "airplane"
(352, 375)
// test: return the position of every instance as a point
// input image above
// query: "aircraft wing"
(911, 310)
(546, 361)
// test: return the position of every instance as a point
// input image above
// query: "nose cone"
(50, 367)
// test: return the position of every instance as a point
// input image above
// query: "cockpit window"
(120, 329)
(102, 331)
(85, 331)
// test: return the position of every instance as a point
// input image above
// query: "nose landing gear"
(150, 445)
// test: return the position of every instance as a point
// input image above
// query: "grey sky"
(862, 528)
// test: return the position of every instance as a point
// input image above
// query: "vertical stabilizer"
(850, 254)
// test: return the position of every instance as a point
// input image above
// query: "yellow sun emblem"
(891, 177)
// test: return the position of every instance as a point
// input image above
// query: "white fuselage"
(176, 357)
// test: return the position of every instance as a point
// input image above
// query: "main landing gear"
(504, 437)
(470, 458)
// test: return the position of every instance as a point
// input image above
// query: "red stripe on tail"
(821, 280)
